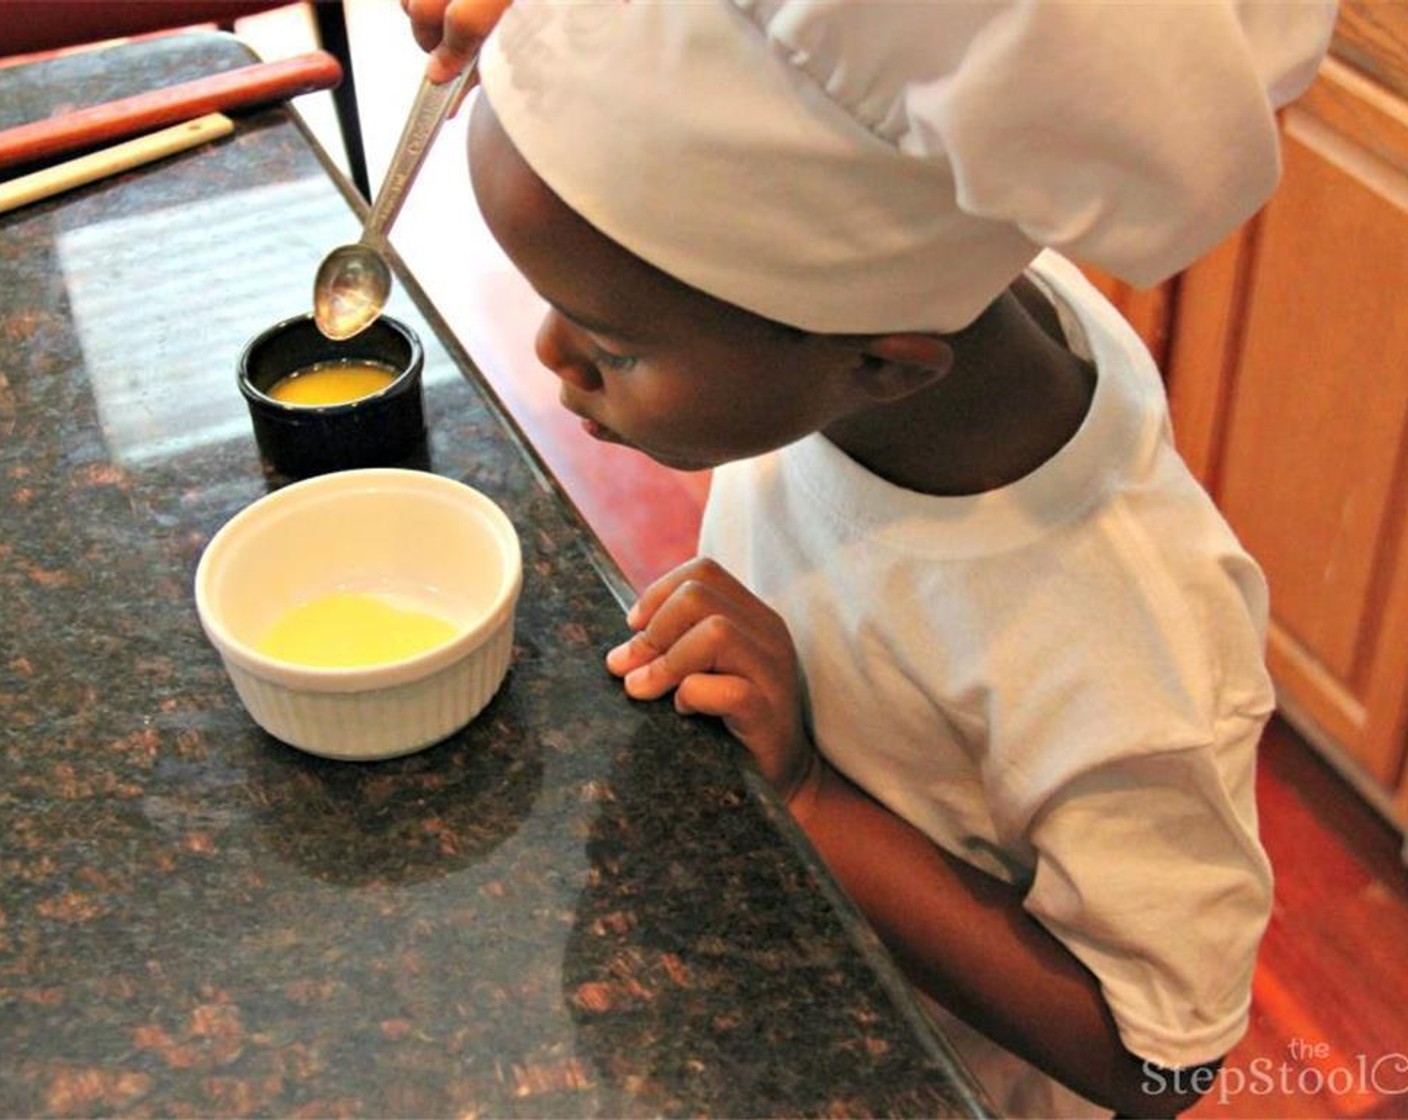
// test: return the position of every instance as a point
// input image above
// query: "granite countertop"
(577, 906)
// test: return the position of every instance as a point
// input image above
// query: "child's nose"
(561, 347)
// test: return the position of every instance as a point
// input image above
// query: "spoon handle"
(428, 112)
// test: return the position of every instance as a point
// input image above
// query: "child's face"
(644, 359)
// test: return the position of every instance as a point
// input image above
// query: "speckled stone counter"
(578, 906)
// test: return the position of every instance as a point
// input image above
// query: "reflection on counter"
(127, 281)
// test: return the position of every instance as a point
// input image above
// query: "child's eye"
(608, 360)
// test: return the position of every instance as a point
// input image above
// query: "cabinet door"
(1289, 380)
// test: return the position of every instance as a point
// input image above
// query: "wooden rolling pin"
(257, 84)
(112, 160)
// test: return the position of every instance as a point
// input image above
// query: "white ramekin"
(396, 531)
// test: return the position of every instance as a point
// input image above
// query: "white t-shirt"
(1060, 681)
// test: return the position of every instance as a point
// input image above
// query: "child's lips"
(594, 428)
(599, 431)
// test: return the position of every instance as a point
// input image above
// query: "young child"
(956, 591)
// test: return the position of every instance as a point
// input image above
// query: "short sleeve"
(1150, 872)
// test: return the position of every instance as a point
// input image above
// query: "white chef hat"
(876, 165)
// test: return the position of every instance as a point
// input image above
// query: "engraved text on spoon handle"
(432, 104)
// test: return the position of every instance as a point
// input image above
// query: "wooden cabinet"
(1286, 353)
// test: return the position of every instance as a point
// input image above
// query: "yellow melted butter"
(349, 629)
(332, 383)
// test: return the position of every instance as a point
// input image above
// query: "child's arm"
(961, 935)
(964, 938)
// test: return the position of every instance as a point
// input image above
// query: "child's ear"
(896, 365)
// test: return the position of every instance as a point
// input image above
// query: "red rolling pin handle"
(259, 83)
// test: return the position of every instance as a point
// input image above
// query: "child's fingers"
(693, 603)
(445, 64)
(724, 653)
(463, 26)
(689, 605)
(644, 608)
(427, 21)
(756, 718)
(735, 700)
(715, 645)
(696, 573)
(467, 23)
(667, 610)
(709, 624)
(631, 654)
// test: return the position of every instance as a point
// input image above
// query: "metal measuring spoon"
(354, 281)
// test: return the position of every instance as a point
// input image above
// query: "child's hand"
(451, 31)
(727, 654)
